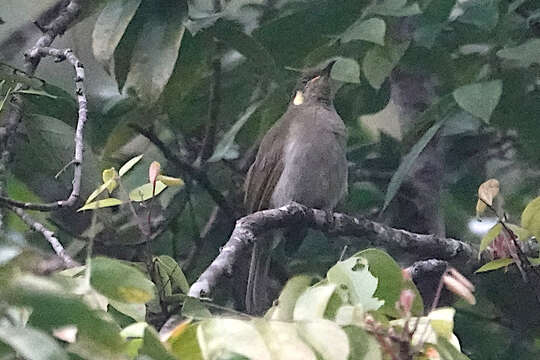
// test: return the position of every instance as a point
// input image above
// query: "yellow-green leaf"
(144, 192)
(170, 181)
(129, 164)
(495, 264)
(98, 191)
(530, 218)
(489, 237)
(109, 176)
(103, 203)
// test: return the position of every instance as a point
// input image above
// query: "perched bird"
(301, 158)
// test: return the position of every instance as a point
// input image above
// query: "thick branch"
(61, 55)
(364, 230)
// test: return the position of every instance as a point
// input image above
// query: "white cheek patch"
(298, 98)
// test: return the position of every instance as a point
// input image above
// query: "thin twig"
(47, 234)
(190, 170)
(61, 55)
(213, 106)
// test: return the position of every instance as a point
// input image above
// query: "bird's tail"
(257, 296)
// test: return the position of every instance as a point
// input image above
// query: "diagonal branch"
(365, 232)
(194, 172)
(47, 234)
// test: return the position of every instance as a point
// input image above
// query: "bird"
(302, 158)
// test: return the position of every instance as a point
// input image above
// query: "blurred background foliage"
(176, 69)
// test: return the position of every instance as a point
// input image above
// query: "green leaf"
(479, 99)
(523, 55)
(346, 70)
(283, 340)
(530, 218)
(439, 112)
(289, 295)
(326, 337)
(231, 34)
(218, 336)
(174, 272)
(144, 192)
(195, 309)
(156, 49)
(135, 311)
(483, 14)
(447, 351)
(379, 61)
(521, 233)
(391, 282)
(363, 345)
(153, 347)
(47, 148)
(313, 302)
(135, 330)
(129, 164)
(354, 277)
(489, 237)
(53, 306)
(495, 264)
(99, 190)
(225, 145)
(99, 204)
(185, 345)
(107, 175)
(119, 281)
(397, 8)
(372, 30)
(110, 26)
(32, 344)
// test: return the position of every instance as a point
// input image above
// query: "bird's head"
(315, 86)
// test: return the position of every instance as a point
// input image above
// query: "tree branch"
(47, 234)
(62, 55)
(194, 172)
(365, 232)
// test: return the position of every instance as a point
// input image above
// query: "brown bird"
(302, 158)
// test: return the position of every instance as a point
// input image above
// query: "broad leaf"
(489, 237)
(353, 276)
(146, 191)
(346, 70)
(326, 337)
(313, 302)
(174, 272)
(156, 49)
(524, 55)
(479, 99)
(530, 218)
(153, 347)
(32, 344)
(289, 295)
(119, 281)
(379, 61)
(372, 30)
(110, 26)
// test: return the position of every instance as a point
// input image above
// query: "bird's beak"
(328, 68)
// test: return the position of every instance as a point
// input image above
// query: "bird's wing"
(265, 172)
